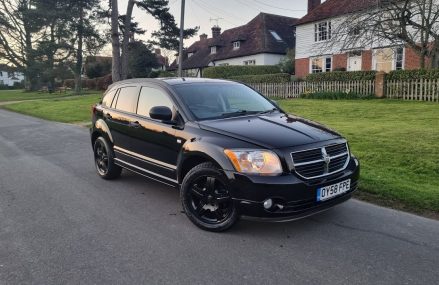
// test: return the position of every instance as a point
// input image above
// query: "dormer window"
(276, 36)
(236, 45)
(190, 54)
(213, 50)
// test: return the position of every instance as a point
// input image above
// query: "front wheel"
(104, 160)
(206, 198)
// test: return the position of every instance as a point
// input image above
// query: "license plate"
(331, 191)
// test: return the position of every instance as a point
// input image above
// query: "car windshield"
(210, 101)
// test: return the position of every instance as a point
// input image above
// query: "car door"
(121, 116)
(154, 142)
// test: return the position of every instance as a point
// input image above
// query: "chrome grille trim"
(326, 159)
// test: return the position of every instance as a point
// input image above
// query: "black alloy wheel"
(207, 200)
(104, 160)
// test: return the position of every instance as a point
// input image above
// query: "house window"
(250, 62)
(399, 58)
(223, 64)
(213, 50)
(321, 64)
(322, 31)
(236, 45)
(1, 74)
(190, 54)
(388, 59)
(276, 36)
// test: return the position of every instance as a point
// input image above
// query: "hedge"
(226, 72)
(100, 83)
(341, 76)
(267, 78)
(413, 74)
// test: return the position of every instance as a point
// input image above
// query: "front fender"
(207, 151)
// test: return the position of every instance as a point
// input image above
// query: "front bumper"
(297, 197)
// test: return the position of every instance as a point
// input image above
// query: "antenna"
(216, 20)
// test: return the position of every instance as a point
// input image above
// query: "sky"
(201, 13)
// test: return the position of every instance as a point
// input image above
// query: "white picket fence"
(295, 89)
(421, 90)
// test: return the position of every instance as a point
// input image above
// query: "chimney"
(216, 31)
(158, 51)
(203, 37)
(312, 4)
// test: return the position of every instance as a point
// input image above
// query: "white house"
(316, 29)
(9, 76)
(262, 41)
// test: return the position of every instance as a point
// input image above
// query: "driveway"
(61, 224)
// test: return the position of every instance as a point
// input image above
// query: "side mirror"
(161, 113)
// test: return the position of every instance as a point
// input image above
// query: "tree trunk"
(126, 38)
(115, 41)
(79, 55)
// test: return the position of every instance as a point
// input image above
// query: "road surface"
(61, 224)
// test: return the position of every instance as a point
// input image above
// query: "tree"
(141, 60)
(18, 25)
(414, 23)
(156, 8)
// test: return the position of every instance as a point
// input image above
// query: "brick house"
(315, 28)
(262, 41)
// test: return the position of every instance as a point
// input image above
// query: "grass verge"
(21, 95)
(396, 142)
(65, 110)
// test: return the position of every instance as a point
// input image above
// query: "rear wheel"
(206, 199)
(104, 160)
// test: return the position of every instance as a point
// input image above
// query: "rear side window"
(127, 100)
(152, 97)
(108, 99)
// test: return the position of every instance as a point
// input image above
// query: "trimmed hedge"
(341, 76)
(226, 72)
(267, 78)
(413, 74)
(336, 96)
(100, 83)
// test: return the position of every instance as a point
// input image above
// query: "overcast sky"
(233, 13)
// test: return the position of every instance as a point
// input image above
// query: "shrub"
(161, 74)
(413, 74)
(70, 83)
(341, 76)
(267, 78)
(226, 72)
(336, 96)
(91, 83)
(102, 83)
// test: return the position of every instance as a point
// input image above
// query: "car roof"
(170, 81)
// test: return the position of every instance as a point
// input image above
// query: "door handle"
(135, 125)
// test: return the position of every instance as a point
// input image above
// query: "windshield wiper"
(268, 111)
(233, 114)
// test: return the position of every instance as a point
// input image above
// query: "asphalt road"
(61, 224)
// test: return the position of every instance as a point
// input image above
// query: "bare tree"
(381, 23)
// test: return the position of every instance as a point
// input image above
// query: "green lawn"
(21, 95)
(397, 144)
(67, 110)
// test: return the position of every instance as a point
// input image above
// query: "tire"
(104, 160)
(206, 199)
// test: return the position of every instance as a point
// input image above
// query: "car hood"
(271, 131)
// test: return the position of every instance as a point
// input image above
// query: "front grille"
(320, 162)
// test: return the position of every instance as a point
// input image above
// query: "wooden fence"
(421, 90)
(295, 89)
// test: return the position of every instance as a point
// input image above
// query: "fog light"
(268, 204)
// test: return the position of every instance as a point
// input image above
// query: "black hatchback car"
(231, 151)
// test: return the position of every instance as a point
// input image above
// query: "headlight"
(262, 162)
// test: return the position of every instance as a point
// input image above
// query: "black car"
(231, 151)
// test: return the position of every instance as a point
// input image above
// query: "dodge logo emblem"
(326, 159)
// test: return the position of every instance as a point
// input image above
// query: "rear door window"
(108, 99)
(150, 98)
(127, 99)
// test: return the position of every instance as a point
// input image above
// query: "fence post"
(380, 84)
